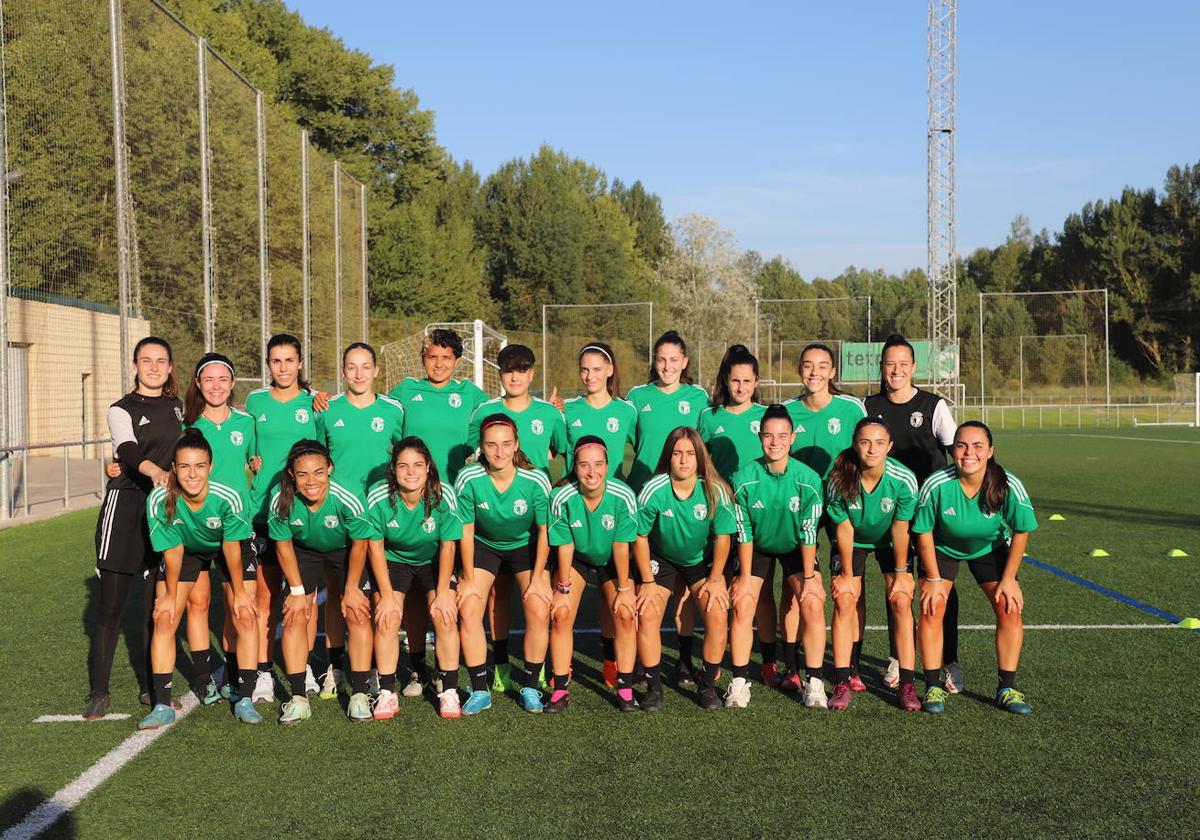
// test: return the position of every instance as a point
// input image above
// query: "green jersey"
(410, 535)
(732, 439)
(659, 414)
(593, 532)
(360, 439)
(277, 427)
(615, 424)
(679, 529)
(540, 429)
(872, 514)
(779, 511)
(340, 518)
(233, 444)
(440, 417)
(960, 529)
(503, 521)
(821, 435)
(221, 518)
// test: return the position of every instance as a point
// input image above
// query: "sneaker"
(935, 700)
(610, 673)
(709, 701)
(330, 680)
(144, 699)
(209, 694)
(531, 700)
(544, 686)
(737, 696)
(558, 702)
(840, 701)
(414, 687)
(891, 676)
(386, 705)
(295, 710)
(814, 694)
(652, 700)
(311, 686)
(502, 679)
(479, 701)
(856, 683)
(228, 692)
(684, 678)
(160, 715)
(907, 698)
(791, 682)
(244, 711)
(359, 707)
(623, 705)
(264, 688)
(770, 675)
(95, 707)
(1013, 701)
(373, 682)
(448, 706)
(954, 677)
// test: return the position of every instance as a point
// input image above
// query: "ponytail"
(672, 337)
(994, 490)
(287, 478)
(170, 387)
(833, 388)
(738, 354)
(613, 385)
(893, 340)
(190, 439)
(846, 474)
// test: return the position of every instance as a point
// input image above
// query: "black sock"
(203, 669)
(387, 682)
(500, 651)
(812, 672)
(654, 676)
(1006, 679)
(246, 680)
(741, 672)
(296, 681)
(790, 658)
(264, 667)
(560, 681)
(841, 675)
(532, 671)
(230, 667)
(768, 652)
(160, 689)
(337, 658)
(480, 679)
(933, 678)
(950, 628)
(449, 680)
(708, 676)
(416, 659)
(855, 655)
(610, 648)
(358, 681)
(625, 680)
(685, 650)
(907, 676)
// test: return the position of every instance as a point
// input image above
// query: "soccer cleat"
(414, 686)
(359, 707)
(737, 696)
(373, 682)
(531, 700)
(448, 706)
(95, 707)
(1013, 701)
(907, 698)
(144, 699)
(264, 688)
(770, 675)
(935, 700)
(502, 679)
(228, 692)
(610, 673)
(652, 700)
(891, 677)
(244, 711)
(295, 710)
(161, 715)
(954, 677)
(791, 682)
(684, 678)
(330, 680)
(558, 702)
(311, 686)
(814, 694)
(386, 705)
(856, 684)
(840, 701)
(623, 705)
(209, 694)
(708, 699)
(479, 701)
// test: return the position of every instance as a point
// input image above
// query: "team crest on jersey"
(331, 521)
(537, 427)
(916, 419)
(428, 525)
(213, 522)
(236, 438)
(377, 424)
(886, 504)
(794, 504)
(520, 506)
(455, 400)
(608, 521)
(302, 416)
(989, 515)
(685, 408)
(835, 425)
(179, 414)
(754, 426)
(700, 511)
(613, 424)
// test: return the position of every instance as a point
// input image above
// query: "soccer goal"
(481, 345)
(567, 327)
(1184, 408)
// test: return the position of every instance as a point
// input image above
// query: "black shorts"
(792, 564)
(264, 546)
(424, 577)
(194, 564)
(665, 573)
(315, 564)
(504, 562)
(885, 556)
(122, 534)
(986, 569)
(602, 574)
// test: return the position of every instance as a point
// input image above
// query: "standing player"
(870, 501)
(541, 426)
(593, 517)
(729, 427)
(195, 522)
(144, 426)
(779, 503)
(685, 519)
(975, 511)
(923, 429)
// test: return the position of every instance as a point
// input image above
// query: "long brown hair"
(816, 345)
(714, 485)
(520, 459)
(170, 386)
(194, 402)
(190, 439)
(431, 494)
(994, 490)
(671, 337)
(847, 466)
(287, 478)
(613, 385)
(738, 354)
(893, 340)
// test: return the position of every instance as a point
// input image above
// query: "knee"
(846, 603)
(625, 623)
(164, 625)
(716, 620)
(537, 611)
(470, 611)
(199, 603)
(444, 624)
(745, 610)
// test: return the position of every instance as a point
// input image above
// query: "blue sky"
(801, 126)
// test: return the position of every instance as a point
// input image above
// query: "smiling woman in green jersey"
(729, 427)
(685, 519)
(195, 522)
(870, 500)
(503, 504)
(779, 504)
(974, 511)
(320, 530)
(593, 518)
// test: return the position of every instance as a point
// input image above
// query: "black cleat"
(629, 705)
(95, 707)
(555, 706)
(652, 700)
(684, 678)
(709, 699)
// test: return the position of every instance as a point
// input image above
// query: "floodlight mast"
(940, 233)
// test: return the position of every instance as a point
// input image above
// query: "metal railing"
(9, 453)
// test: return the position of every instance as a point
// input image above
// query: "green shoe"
(1013, 701)
(359, 708)
(295, 710)
(935, 700)
(161, 715)
(502, 680)
(542, 684)
(210, 694)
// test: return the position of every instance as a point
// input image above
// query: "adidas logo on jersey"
(577, 424)
(948, 511)
(297, 521)
(646, 408)
(799, 430)
(393, 524)
(418, 398)
(339, 423)
(757, 505)
(577, 524)
(145, 421)
(262, 418)
(720, 430)
(483, 506)
(669, 512)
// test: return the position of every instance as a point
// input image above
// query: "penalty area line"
(77, 718)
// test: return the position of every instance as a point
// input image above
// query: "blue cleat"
(1013, 701)
(531, 700)
(161, 715)
(935, 701)
(479, 701)
(244, 711)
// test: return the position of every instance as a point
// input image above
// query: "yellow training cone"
(1099, 552)
(1189, 624)
(1177, 552)
(1057, 517)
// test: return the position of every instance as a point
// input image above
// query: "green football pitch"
(1111, 749)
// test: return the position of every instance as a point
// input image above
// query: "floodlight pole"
(940, 186)
(544, 365)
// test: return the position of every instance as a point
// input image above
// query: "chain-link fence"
(146, 187)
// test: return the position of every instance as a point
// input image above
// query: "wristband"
(810, 577)
(933, 580)
(563, 588)
(296, 590)
(900, 571)
(625, 589)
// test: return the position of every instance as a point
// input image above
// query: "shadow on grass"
(56, 820)
(1144, 516)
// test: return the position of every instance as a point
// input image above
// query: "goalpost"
(566, 327)
(1021, 361)
(481, 345)
(1187, 395)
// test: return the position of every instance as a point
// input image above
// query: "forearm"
(542, 553)
(928, 555)
(620, 556)
(288, 564)
(1016, 553)
(233, 563)
(383, 581)
(445, 565)
(641, 553)
(356, 564)
(900, 540)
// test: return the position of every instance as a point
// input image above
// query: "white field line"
(1122, 437)
(74, 718)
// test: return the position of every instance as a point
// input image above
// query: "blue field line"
(1104, 590)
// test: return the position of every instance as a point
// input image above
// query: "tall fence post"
(121, 174)
(337, 261)
(362, 224)
(264, 277)
(305, 254)
(5, 396)
(205, 196)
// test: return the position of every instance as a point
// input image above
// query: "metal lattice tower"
(943, 293)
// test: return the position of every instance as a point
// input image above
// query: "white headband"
(592, 348)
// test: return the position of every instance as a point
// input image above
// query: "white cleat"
(413, 688)
(737, 696)
(330, 680)
(264, 688)
(891, 677)
(814, 694)
(311, 686)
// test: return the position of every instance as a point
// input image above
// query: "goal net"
(481, 345)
